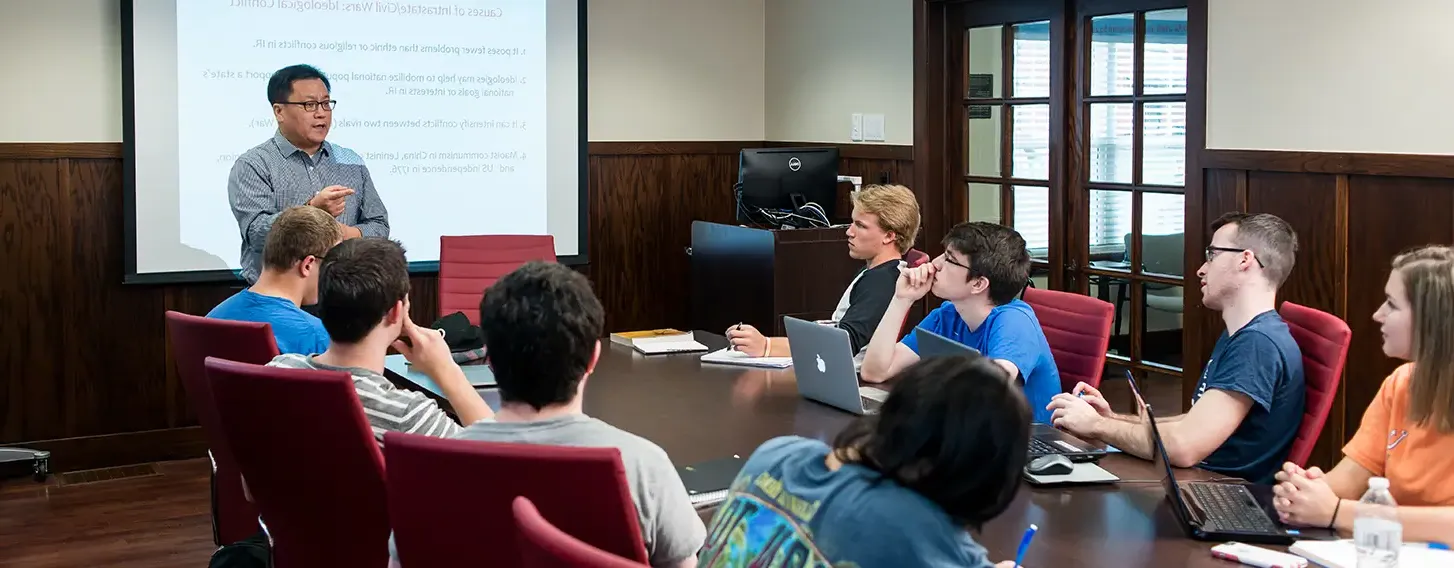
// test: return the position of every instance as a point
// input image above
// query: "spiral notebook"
(709, 482)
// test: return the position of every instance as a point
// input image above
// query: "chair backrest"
(1078, 329)
(450, 499)
(309, 459)
(916, 257)
(470, 264)
(193, 339)
(1323, 339)
(542, 545)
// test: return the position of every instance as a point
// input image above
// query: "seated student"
(1249, 403)
(980, 275)
(902, 488)
(1407, 435)
(296, 244)
(542, 325)
(885, 224)
(363, 299)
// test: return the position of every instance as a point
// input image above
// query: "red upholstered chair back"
(916, 257)
(542, 545)
(1323, 339)
(193, 339)
(450, 499)
(309, 459)
(1078, 329)
(470, 264)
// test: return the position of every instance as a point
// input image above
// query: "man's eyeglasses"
(1212, 251)
(951, 260)
(310, 106)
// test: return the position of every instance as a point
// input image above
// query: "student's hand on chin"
(426, 348)
(914, 283)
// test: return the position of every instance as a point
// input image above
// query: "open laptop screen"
(1158, 457)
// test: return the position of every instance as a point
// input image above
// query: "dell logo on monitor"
(795, 164)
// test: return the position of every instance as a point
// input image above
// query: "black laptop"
(1044, 438)
(1230, 511)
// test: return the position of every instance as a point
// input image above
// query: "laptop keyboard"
(1040, 447)
(1232, 508)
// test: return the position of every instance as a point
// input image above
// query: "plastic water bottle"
(1376, 529)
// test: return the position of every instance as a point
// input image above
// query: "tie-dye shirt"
(786, 508)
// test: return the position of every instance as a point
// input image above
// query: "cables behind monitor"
(809, 215)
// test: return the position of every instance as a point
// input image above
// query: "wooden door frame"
(938, 140)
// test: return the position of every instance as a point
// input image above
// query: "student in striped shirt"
(363, 300)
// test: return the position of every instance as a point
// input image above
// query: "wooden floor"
(156, 519)
(158, 516)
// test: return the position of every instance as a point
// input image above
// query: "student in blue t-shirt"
(980, 275)
(1249, 403)
(902, 489)
(297, 241)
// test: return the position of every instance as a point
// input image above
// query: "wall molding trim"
(57, 150)
(106, 450)
(1345, 163)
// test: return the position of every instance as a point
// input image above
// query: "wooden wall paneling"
(1308, 203)
(1387, 216)
(107, 366)
(30, 242)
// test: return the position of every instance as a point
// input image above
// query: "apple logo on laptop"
(821, 367)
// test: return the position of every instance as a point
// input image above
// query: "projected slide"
(466, 115)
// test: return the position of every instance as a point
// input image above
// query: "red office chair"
(309, 459)
(450, 499)
(469, 265)
(916, 257)
(542, 545)
(193, 339)
(1078, 329)
(913, 258)
(1323, 339)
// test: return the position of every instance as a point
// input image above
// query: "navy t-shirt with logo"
(1262, 362)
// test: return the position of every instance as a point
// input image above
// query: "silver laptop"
(823, 363)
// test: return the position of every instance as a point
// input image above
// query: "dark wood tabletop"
(699, 412)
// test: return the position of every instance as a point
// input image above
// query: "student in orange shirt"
(1407, 433)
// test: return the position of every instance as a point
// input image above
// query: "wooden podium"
(756, 276)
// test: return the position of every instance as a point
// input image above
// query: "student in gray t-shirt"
(542, 326)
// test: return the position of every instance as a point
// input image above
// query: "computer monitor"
(784, 179)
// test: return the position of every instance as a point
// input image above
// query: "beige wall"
(659, 70)
(1330, 75)
(676, 69)
(829, 59)
(60, 61)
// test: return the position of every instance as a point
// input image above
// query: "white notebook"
(726, 356)
(1342, 554)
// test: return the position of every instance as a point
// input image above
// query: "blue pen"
(1025, 545)
(1433, 545)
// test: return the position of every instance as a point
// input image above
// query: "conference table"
(702, 411)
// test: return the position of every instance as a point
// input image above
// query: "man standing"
(298, 167)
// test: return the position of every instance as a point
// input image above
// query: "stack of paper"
(727, 356)
(1342, 554)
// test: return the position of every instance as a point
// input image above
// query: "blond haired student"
(1407, 433)
(885, 224)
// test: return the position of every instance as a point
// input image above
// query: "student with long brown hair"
(1407, 435)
